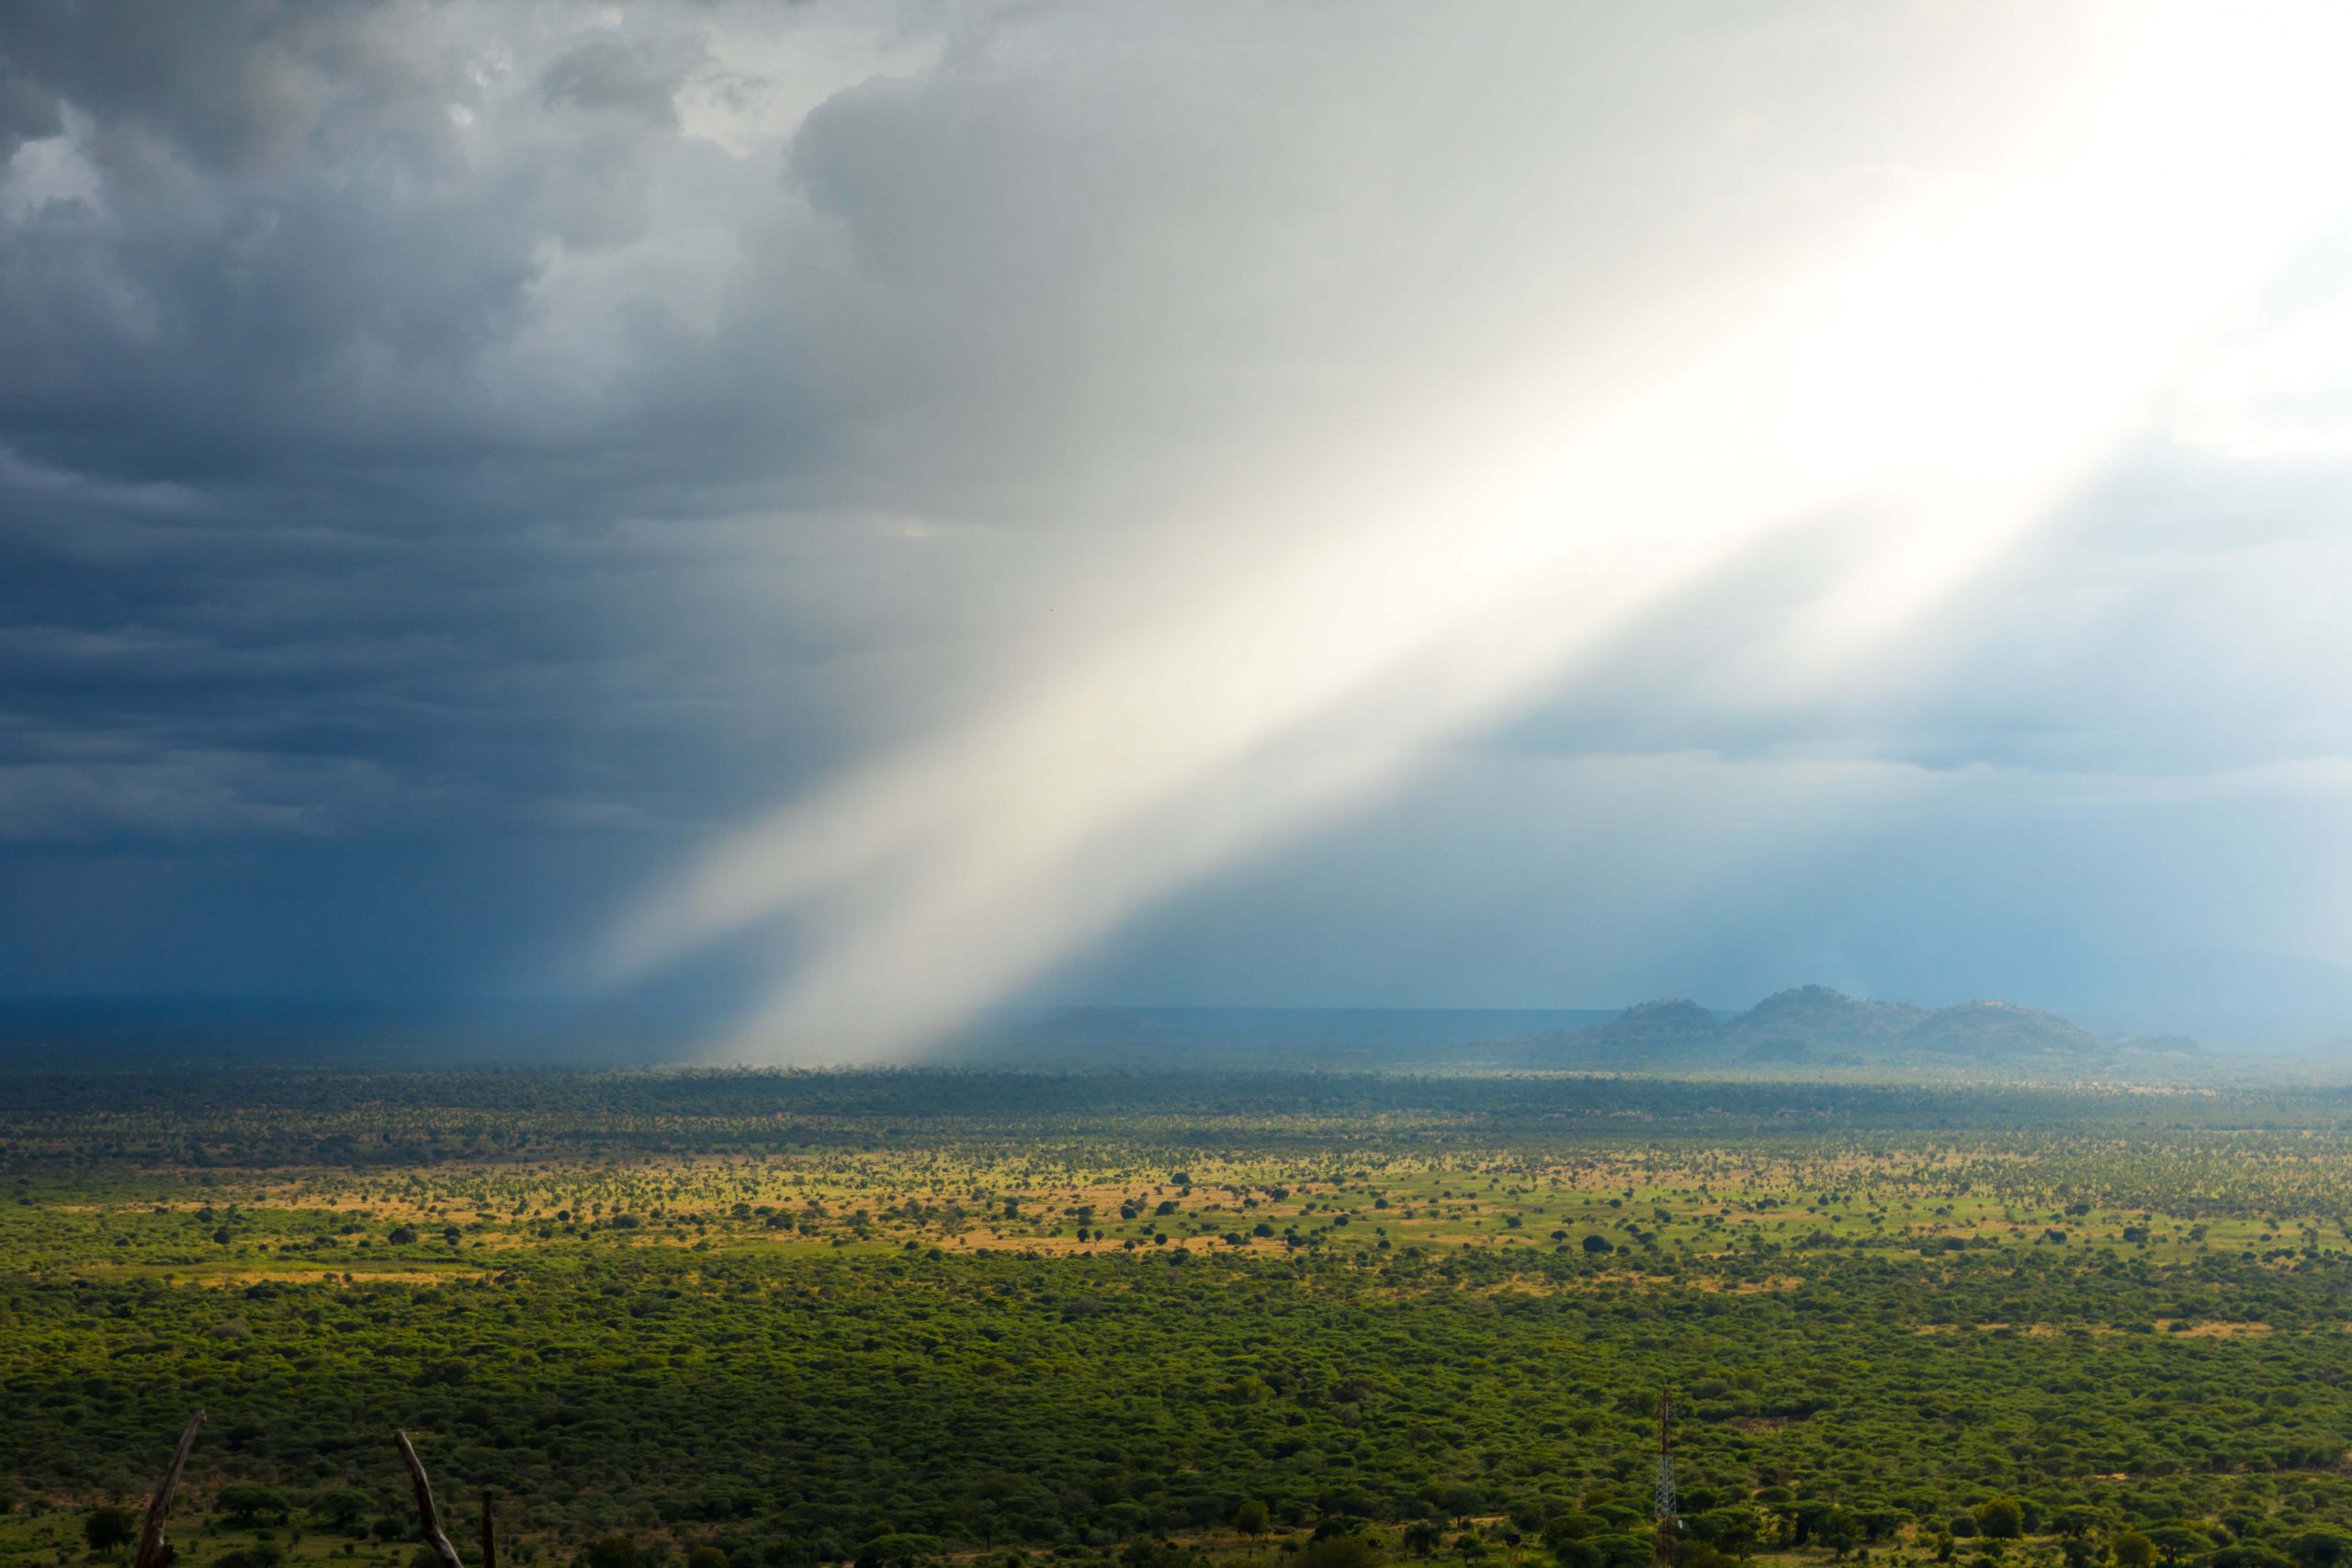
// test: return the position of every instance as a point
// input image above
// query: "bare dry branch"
(435, 1536)
(155, 1551)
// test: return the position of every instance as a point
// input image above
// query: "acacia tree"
(107, 1529)
(341, 1509)
(249, 1505)
(2000, 1518)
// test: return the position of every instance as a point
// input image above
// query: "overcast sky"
(846, 516)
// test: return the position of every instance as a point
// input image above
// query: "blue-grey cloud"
(515, 448)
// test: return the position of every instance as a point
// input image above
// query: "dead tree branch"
(435, 1536)
(155, 1551)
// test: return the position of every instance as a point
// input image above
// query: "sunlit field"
(786, 1320)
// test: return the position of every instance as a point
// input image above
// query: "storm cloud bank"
(861, 514)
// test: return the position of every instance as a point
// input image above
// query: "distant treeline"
(267, 1117)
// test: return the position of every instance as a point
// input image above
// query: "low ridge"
(1816, 1026)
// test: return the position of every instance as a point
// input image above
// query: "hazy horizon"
(115, 1032)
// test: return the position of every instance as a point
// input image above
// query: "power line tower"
(1667, 1520)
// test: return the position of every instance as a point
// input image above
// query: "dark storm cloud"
(418, 443)
(284, 270)
(608, 71)
(28, 112)
(272, 496)
(486, 447)
(378, 373)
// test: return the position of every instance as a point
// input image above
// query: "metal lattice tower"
(1667, 1509)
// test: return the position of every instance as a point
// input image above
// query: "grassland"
(768, 1320)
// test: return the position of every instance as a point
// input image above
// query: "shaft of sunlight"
(1946, 367)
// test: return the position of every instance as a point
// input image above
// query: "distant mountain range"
(1810, 1029)
(1813, 1026)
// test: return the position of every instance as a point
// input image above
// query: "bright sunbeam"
(1944, 363)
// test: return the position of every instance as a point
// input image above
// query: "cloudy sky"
(842, 517)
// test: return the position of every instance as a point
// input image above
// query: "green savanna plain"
(760, 1320)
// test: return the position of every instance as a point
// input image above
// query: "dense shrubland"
(772, 1320)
